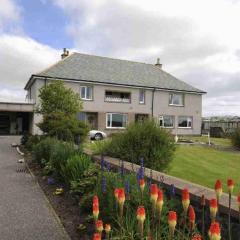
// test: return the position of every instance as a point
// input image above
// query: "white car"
(96, 135)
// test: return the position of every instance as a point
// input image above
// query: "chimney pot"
(158, 64)
(65, 53)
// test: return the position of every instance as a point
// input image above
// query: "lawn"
(226, 142)
(203, 165)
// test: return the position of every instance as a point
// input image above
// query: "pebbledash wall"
(192, 105)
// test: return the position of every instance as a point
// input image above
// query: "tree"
(59, 106)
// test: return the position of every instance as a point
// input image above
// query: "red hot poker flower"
(160, 201)
(141, 215)
(97, 236)
(192, 216)
(218, 188)
(116, 193)
(99, 226)
(154, 192)
(185, 199)
(215, 231)
(213, 208)
(197, 237)
(142, 184)
(121, 196)
(107, 228)
(238, 201)
(95, 211)
(172, 220)
(230, 184)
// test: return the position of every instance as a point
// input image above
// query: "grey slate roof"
(91, 68)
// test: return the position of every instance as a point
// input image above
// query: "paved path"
(24, 211)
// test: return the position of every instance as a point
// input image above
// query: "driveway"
(24, 211)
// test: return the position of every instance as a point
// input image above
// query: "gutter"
(113, 84)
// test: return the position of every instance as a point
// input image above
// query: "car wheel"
(98, 136)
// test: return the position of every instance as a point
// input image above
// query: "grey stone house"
(116, 92)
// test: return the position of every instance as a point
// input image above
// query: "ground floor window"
(166, 121)
(116, 120)
(185, 122)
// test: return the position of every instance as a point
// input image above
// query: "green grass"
(203, 165)
(226, 142)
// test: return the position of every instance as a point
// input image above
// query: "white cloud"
(20, 58)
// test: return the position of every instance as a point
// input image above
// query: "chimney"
(158, 64)
(65, 53)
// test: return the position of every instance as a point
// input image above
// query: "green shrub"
(145, 140)
(42, 151)
(32, 141)
(236, 138)
(74, 168)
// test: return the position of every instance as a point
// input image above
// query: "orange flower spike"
(95, 211)
(230, 184)
(172, 221)
(95, 200)
(141, 215)
(154, 193)
(97, 236)
(107, 228)
(99, 226)
(218, 188)
(185, 199)
(142, 184)
(214, 231)
(121, 196)
(192, 216)
(213, 208)
(197, 237)
(160, 201)
(238, 201)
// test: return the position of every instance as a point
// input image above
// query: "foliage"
(236, 138)
(32, 141)
(74, 168)
(59, 107)
(56, 98)
(142, 139)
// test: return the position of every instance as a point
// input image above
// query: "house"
(117, 92)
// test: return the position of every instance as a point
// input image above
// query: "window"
(86, 93)
(166, 121)
(141, 96)
(176, 99)
(116, 120)
(111, 96)
(185, 122)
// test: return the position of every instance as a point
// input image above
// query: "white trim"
(107, 127)
(162, 116)
(187, 117)
(85, 87)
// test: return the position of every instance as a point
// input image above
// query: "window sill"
(185, 127)
(85, 99)
(176, 105)
(167, 127)
(115, 127)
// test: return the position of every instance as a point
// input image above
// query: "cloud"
(22, 56)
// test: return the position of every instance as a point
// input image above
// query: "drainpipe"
(153, 91)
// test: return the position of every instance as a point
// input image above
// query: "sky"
(197, 41)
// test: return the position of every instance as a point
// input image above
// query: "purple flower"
(104, 184)
(127, 187)
(50, 181)
(172, 190)
(102, 163)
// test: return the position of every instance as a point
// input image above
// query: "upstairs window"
(116, 120)
(166, 121)
(86, 92)
(141, 96)
(176, 99)
(185, 122)
(115, 96)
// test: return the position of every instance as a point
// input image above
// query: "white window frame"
(188, 118)
(162, 118)
(173, 104)
(110, 114)
(143, 92)
(85, 93)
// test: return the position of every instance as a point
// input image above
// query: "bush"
(74, 168)
(236, 138)
(145, 140)
(32, 141)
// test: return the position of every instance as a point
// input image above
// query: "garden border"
(196, 191)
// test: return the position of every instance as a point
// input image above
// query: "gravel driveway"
(24, 211)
